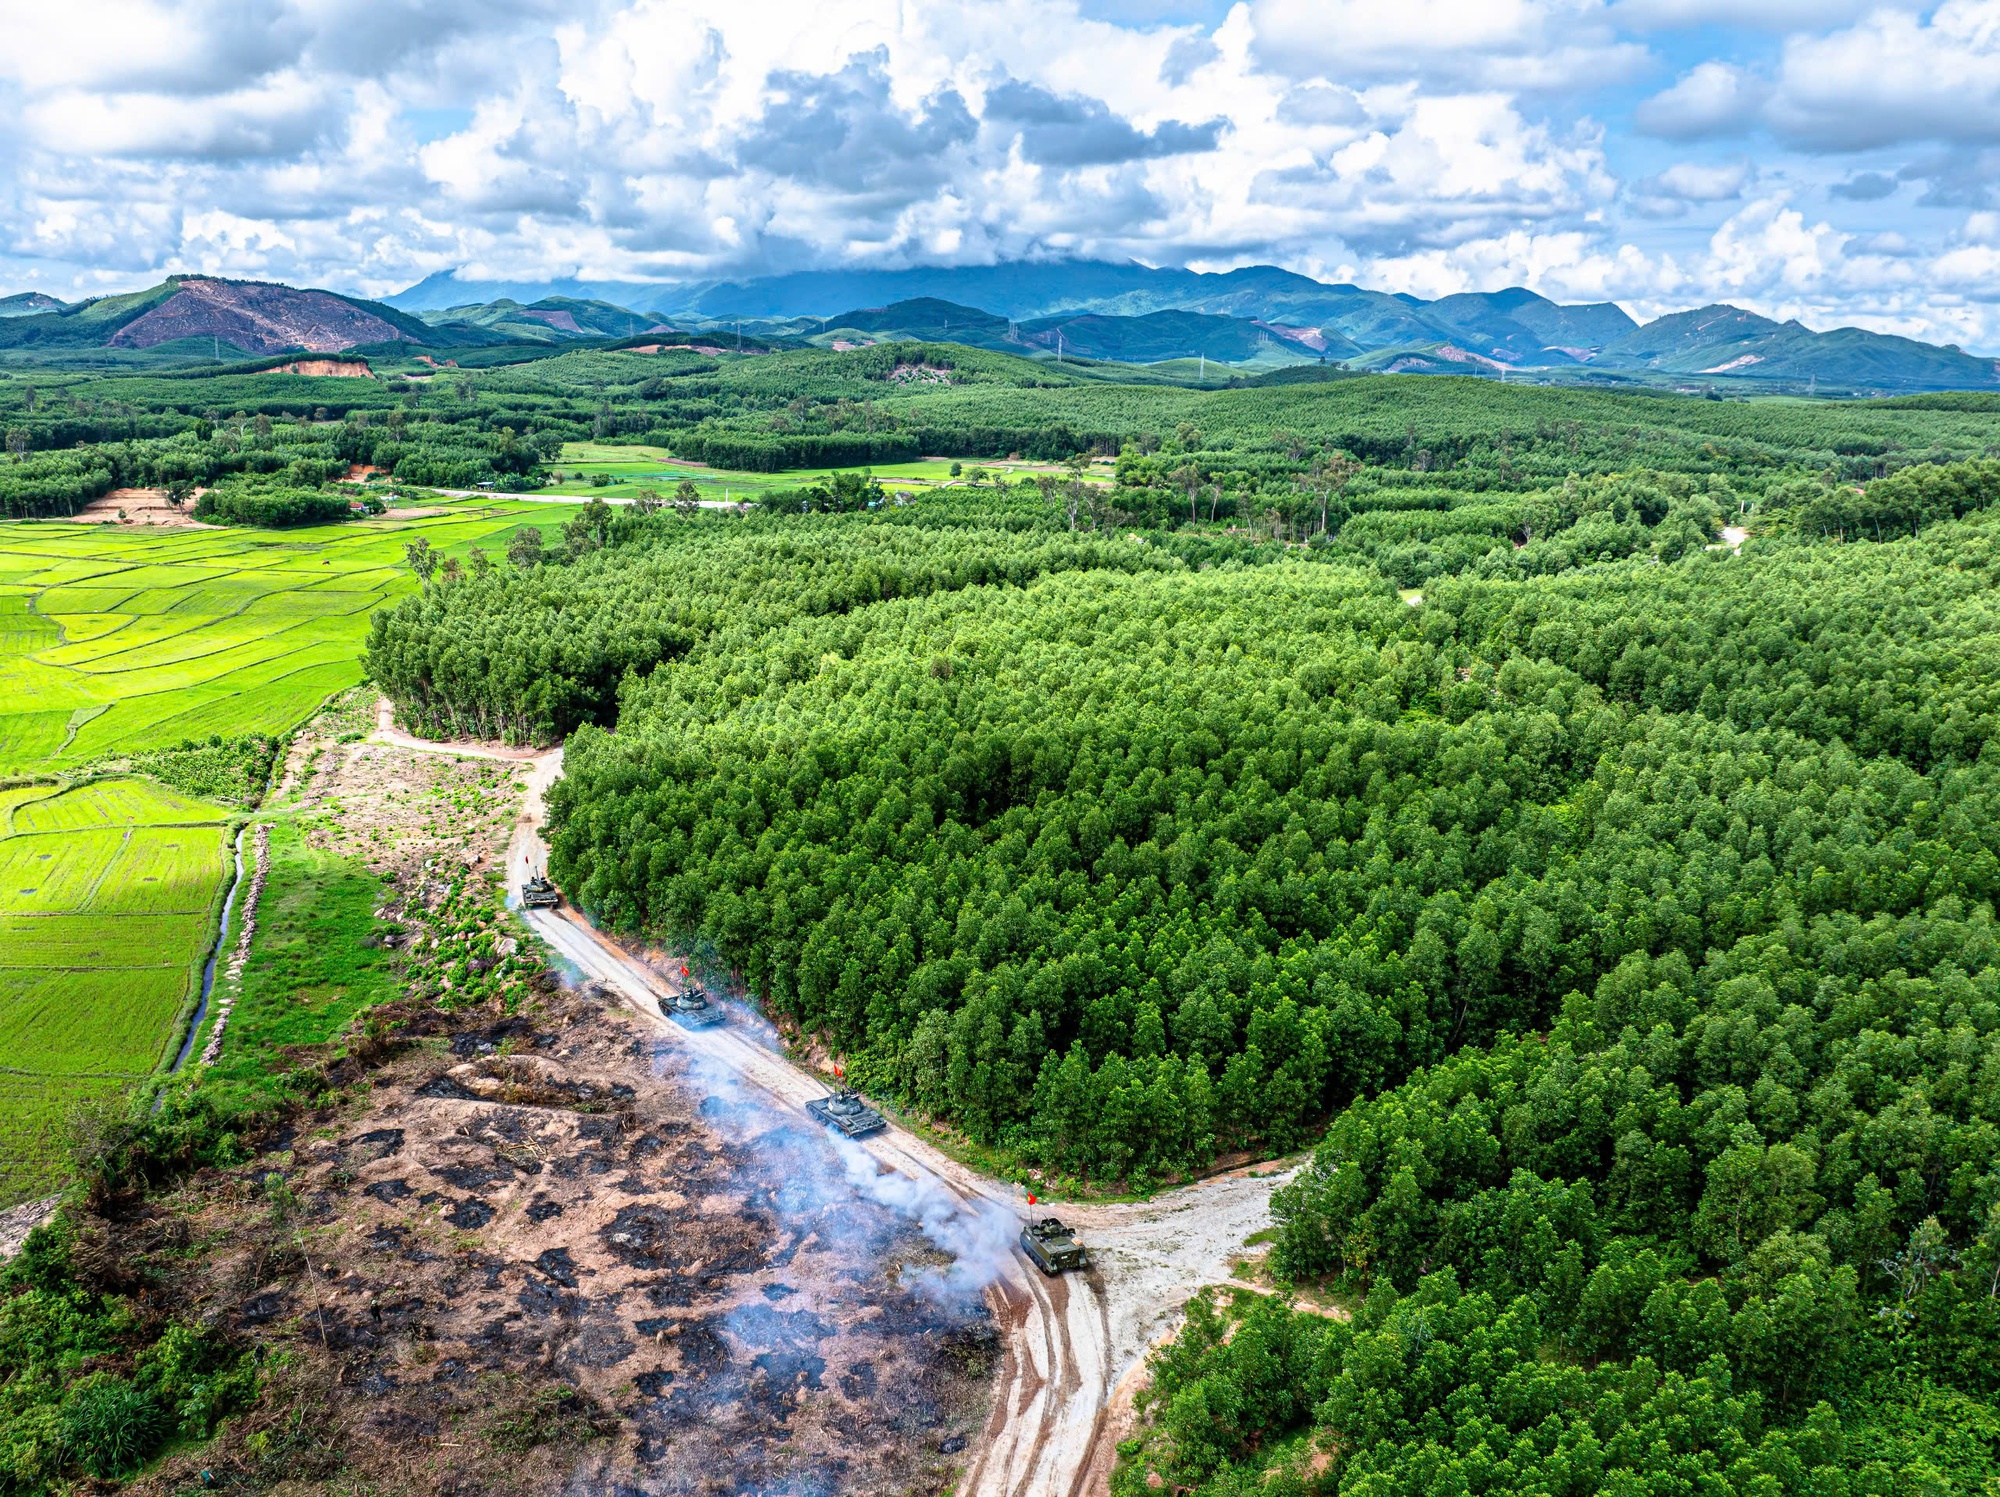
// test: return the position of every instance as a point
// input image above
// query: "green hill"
(553, 319)
(28, 304)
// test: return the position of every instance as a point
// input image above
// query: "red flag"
(840, 1071)
(1031, 1198)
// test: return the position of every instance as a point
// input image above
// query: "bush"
(109, 1427)
(234, 769)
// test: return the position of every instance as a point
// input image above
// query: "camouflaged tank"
(691, 1008)
(539, 894)
(846, 1113)
(1053, 1246)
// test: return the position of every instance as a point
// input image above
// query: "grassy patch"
(314, 963)
(232, 769)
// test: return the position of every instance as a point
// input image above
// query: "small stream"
(214, 953)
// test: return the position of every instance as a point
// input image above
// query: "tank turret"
(691, 1008)
(1053, 1246)
(537, 893)
(845, 1112)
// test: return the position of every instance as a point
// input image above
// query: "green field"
(115, 640)
(633, 468)
(108, 900)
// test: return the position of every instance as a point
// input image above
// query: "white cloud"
(1515, 44)
(1893, 78)
(1756, 15)
(1673, 193)
(1425, 145)
(1713, 98)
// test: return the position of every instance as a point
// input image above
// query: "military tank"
(1053, 1246)
(691, 1009)
(539, 894)
(845, 1112)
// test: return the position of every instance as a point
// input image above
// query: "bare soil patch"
(141, 507)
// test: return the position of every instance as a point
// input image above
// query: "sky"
(1832, 161)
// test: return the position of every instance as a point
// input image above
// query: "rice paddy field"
(119, 639)
(109, 894)
(115, 640)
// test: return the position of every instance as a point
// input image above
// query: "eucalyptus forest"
(1562, 823)
(1436, 780)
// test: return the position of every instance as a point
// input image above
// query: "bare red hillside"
(256, 318)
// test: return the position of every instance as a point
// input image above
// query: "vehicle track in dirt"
(1074, 1345)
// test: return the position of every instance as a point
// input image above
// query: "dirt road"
(1073, 1344)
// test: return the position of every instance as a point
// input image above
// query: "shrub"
(108, 1426)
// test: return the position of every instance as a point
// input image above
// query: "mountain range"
(1252, 320)
(1262, 315)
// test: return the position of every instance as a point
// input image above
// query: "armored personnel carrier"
(690, 1008)
(1053, 1246)
(539, 894)
(845, 1112)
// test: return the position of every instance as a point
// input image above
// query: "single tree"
(1079, 502)
(1187, 478)
(422, 558)
(1329, 477)
(524, 551)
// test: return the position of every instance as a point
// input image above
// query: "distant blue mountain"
(444, 289)
(1488, 332)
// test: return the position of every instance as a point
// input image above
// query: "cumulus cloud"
(1894, 77)
(1429, 145)
(1187, 56)
(1521, 44)
(1075, 130)
(1713, 98)
(1321, 103)
(1760, 15)
(1674, 192)
(845, 130)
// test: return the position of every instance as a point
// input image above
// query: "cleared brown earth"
(257, 318)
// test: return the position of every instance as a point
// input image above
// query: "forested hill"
(1624, 926)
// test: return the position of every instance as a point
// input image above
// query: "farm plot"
(117, 640)
(114, 640)
(108, 897)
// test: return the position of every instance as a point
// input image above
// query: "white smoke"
(979, 1234)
